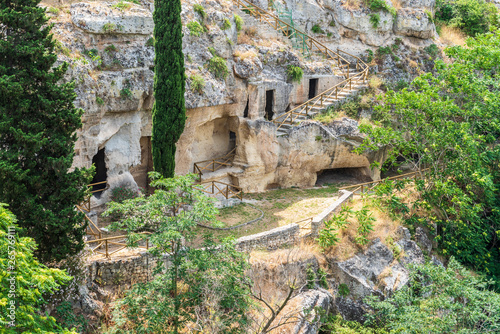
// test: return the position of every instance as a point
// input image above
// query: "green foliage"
(439, 300)
(60, 48)
(365, 221)
(150, 41)
(377, 5)
(317, 29)
(38, 124)
(120, 194)
(295, 73)
(336, 324)
(327, 236)
(432, 50)
(204, 285)
(197, 83)
(218, 67)
(126, 93)
(238, 21)
(110, 48)
(448, 121)
(200, 10)
(69, 319)
(310, 277)
(99, 100)
(226, 24)
(23, 282)
(343, 290)
(323, 282)
(195, 28)
(122, 5)
(375, 20)
(53, 10)
(472, 16)
(370, 55)
(109, 27)
(169, 110)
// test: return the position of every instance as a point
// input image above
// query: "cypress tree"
(37, 133)
(169, 111)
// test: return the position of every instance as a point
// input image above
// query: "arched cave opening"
(342, 175)
(232, 140)
(101, 172)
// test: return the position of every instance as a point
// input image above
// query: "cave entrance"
(140, 172)
(232, 140)
(269, 104)
(245, 112)
(313, 88)
(343, 175)
(101, 173)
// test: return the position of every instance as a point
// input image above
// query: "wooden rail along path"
(84, 207)
(362, 187)
(332, 94)
(214, 164)
(220, 188)
(110, 241)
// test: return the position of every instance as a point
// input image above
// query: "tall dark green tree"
(169, 111)
(37, 133)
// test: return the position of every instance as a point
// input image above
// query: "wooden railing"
(305, 224)
(92, 228)
(367, 186)
(116, 241)
(220, 188)
(314, 45)
(214, 164)
(85, 205)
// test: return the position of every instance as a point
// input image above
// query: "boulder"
(422, 240)
(414, 23)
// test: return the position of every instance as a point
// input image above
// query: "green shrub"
(344, 290)
(336, 324)
(110, 48)
(53, 10)
(432, 50)
(472, 16)
(218, 67)
(317, 29)
(375, 20)
(99, 100)
(150, 41)
(332, 23)
(310, 277)
(197, 83)
(60, 48)
(377, 5)
(226, 24)
(323, 282)
(126, 93)
(109, 27)
(120, 194)
(238, 21)
(122, 5)
(200, 10)
(295, 73)
(365, 221)
(195, 28)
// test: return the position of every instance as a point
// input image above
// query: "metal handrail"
(215, 189)
(277, 23)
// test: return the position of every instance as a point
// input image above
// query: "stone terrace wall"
(124, 272)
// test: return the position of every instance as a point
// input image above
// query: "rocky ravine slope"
(110, 49)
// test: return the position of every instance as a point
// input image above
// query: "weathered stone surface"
(415, 23)
(422, 240)
(102, 18)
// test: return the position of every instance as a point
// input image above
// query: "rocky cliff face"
(110, 48)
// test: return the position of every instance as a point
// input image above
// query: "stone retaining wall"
(124, 272)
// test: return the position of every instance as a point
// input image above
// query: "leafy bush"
(344, 290)
(126, 93)
(377, 5)
(226, 24)
(197, 83)
(122, 5)
(110, 48)
(218, 67)
(150, 41)
(53, 10)
(99, 100)
(472, 16)
(375, 20)
(336, 324)
(295, 73)
(432, 50)
(439, 300)
(365, 221)
(120, 194)
(200, 10)
(109, 27)
(310, 277)
(195, 28)
(317, 29)
(238, 21)
(323, 282)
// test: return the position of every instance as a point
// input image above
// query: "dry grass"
(245, 55)
(397, 4)
(243, 38)
(353, 4)
(251, 31)
(384, 227)
(413, 64)
(452, 36)
(375, 82)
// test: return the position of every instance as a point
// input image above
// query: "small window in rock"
(245, 112)
(313, 88)
(269, 105)
(101, 172)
